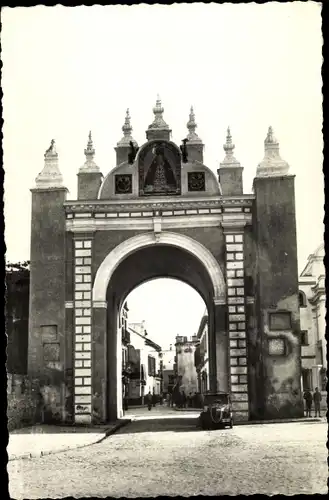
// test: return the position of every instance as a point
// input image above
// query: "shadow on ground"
(70, 429)
(160, 425)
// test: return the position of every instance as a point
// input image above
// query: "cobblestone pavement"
(169, 456)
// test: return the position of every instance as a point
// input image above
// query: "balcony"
(199, 357)
(125, 335)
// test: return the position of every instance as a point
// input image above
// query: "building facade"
(185, 364)
(169, 369)
(141, 361)
(312, 303)
(160, 211)
(202, 355)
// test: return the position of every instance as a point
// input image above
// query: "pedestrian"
(189, 400)
(317, 399)
(161, 399)
(308, 402)
(154, 399)
(149, 401)
(184, 399)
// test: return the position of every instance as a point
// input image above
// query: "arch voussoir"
(124, 249)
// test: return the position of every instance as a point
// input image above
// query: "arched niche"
(159, 169)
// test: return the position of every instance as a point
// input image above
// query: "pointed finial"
(90, 151)
(229, 146)
(158, 122)
(270, 139)
(272, 165)
(51, 151)
(158, 109)
(50, 176)
(192, 136)
(127, 128)
(191, 125)
(89, 165)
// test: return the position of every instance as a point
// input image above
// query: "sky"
(70, 70)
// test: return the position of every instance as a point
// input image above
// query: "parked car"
(217, 411)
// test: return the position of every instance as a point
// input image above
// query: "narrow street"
(162, 453)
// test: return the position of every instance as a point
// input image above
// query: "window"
(280, 320)
(304, 337)
(301, 299)
(323, 379)
(306, 379)
(151, 366)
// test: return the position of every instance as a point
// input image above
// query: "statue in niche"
(160, 176)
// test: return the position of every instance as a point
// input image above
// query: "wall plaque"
(196, 181)
(280, 321)
(48, 333)
(51, 352)
(123, 184)
(276, 347)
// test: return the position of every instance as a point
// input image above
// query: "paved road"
(168, 456)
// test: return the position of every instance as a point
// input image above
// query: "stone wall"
(24, 402)
(17, 314)
(30, 402)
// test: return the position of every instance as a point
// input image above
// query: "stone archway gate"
(89, 304)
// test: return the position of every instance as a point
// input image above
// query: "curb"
(283, 421)
(107, 433)
(264, 422)
(114, 429)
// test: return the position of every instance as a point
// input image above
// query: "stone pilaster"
(82, 333)
(238, 361)
(100, 368)
(221, 346)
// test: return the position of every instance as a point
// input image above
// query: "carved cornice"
(143, 204)
(145, 222)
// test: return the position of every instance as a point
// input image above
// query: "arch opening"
(135, 269)
(160, 344)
